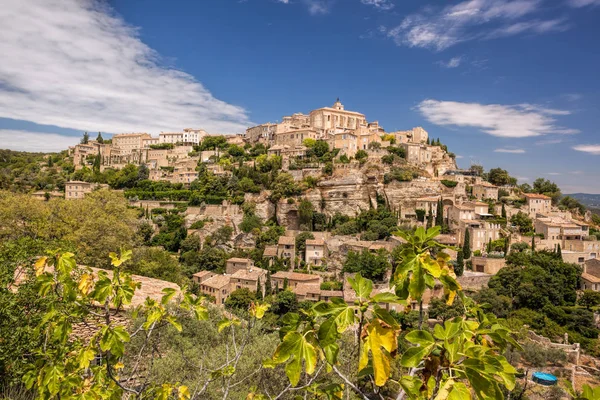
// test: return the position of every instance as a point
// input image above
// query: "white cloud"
(75, 64)
(451, 63)
(283, 1)
(318, 7)
(553, 173)
(583, 3)
(441, 28)
(511, 151)
(549, 141)
(459, 157)
(383, 5)
(588, 148)
(514, 121)
(35, 141)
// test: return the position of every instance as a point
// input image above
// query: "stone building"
(316, 252)
(293, 279)
(537, 204)
(590, 278)
(488, 265)
(485, 190)
(238, 264)
(75, 190)
(130, 142)
(286, 248)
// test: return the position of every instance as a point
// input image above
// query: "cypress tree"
(503, 211)
(86, 138)
(268, 287)
(488, 248)
(506, 245)
(460, 264)
(439, 218)
(285, 283)
(533, 243)
(467, 245)
(99, 138)
(428, 142)
(96, 166)
(259, 294)
(559, 252)
(429, 219)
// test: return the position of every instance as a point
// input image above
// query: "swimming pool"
(544, 378)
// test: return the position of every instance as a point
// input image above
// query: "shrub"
(449, 184)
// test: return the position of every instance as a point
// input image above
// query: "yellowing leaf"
(381, 341)
(119, 365)
(258, 310)
(39, 265)
(85, 283)
(183, 393)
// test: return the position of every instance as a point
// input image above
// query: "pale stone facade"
(293, 279)
(485, 190)
(488, 265)
(316, 252)
(75, 190)
(538, 204)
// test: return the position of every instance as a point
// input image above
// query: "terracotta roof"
(590, 277)
(270, 251)
(202, 273)
(315, 242)
(305, 288)
(332, 293)
(536, 196)
(592, 262)
(217, 281)
(295, 276)
(239, 260)
(251, 274)
(464, 207)
(287, 240)
(486, 184)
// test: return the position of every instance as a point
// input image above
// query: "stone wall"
(474, 281)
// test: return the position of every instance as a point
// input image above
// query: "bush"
(198, 224)
(449, 184)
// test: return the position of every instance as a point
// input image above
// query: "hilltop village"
(343, 187)
(314, 218)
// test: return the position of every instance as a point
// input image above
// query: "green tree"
(320, 148)
(466, 249)
(589, 299)
(301, 242)
(240, 300)
(369, 264)
(268, 287)
(85, 139)
(99, 138)
(306, 212)
(439, 217)
(522, 221)
(559, 252)
(503, 214)
(499, 177)
(259, 290)
(459, 268)
(548, 188)
(222, 235)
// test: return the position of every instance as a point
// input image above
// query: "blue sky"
(504, 83)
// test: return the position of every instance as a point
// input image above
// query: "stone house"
(217, 286)
(235, 264)
(537, 204)
(485, 190)
(316, 252)
(294, 279)
(286, 248)
(590, 278)
(263, 133)
(75, 190)
(488, 265)
(248, 279)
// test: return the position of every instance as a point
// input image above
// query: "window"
(580, 259)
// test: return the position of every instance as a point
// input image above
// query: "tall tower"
(338, 105)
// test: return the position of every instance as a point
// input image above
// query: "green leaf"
(66, 263)
(387, 297)
(296, 348)
(411, 385)
(413, 356)
(168, 295)
(171, 320)
(328, 332)
(86, 356)
(362, 286)
(422, 338)
(52, 377)
(459, 391)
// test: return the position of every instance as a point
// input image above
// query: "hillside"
(590, 200)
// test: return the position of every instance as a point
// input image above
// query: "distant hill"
(589, 200)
